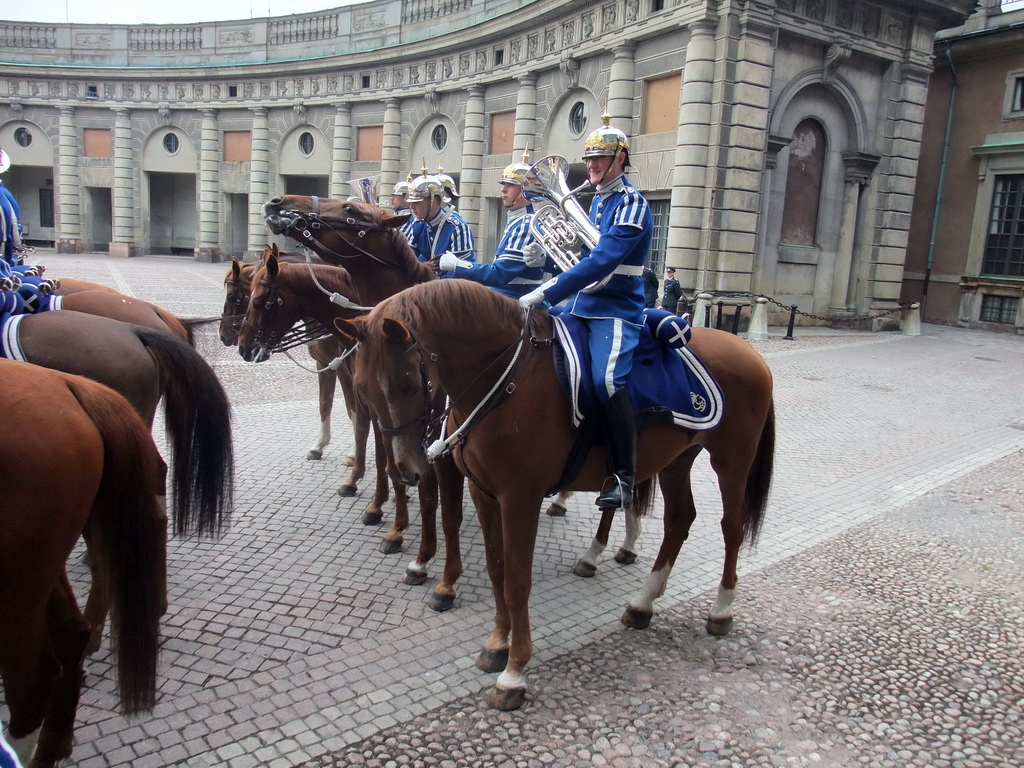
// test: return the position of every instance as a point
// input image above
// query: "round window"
(439, 138)
(306, 143)
(171, 143)
(23, 137)
(578, 119)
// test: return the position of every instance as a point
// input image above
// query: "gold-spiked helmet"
(447, 182)
(402, 187)
(424, 188)
(516, 173)
(605, 141)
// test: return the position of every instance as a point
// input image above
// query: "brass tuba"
(562, 225)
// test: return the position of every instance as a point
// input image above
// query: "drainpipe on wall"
(942, 179)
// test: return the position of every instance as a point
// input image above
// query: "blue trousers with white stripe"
(611, 342)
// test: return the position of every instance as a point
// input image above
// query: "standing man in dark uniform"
(672, 292)
(650, 288)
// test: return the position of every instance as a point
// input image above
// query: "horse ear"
(397, 333)
(348, 332)
(273, 265)
(395, 220)
(275, 251)
(268, 249)
(236, 268)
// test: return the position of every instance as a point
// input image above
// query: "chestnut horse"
(102, 479)
(145, 365)
(368, 243)
(117, 306)
(514, 445)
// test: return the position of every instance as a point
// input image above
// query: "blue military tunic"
(446, 231)
(509, 274)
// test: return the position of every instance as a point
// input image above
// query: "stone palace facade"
(777, 140)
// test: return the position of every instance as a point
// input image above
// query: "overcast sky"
(157, 11)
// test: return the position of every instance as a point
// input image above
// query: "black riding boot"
(620, 436)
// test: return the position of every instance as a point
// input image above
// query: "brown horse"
(283, 295)
(102, 478)
(238, 289)
(514, 446)
(144, 366)
(368, 242)
(117, 306)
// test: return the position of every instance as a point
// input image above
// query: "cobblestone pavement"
(878, 622)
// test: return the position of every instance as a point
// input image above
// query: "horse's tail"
(197, 415)
(176, 325)
(643, 498)
(128, 539)
(191, 323)
(759, 480)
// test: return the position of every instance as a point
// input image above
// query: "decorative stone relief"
(568, 33)
(607, 17)
(414, 74)
(53, 90)
(299, 109)
(197, 91)
(870, 20)
(433, 99)
(446, 69)
(165, 112)
(110, 93)
(364, 19)
(632, 10)
(235, 37)
(314, 86)
(398, 77)
(515, 51)
(844, 14)
(164, 91)
(93, 40)
(349, 83)
(532, 46)
(463, 64)
(145, 92)
(128, 92)
(588, 25)
(894, 29)
(13, 87)
(332, 84)
(787, 5)
(73, 90)
(35, 90)
(431, 71)
(179, 91)
(282, 87)
(16, 106)
(549, 40)
(816, 9)
(382, 78)
(836, 54)
(481, 61)
(571, 69)
(298, 86)
(214, 90)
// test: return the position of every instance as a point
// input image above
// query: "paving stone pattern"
(878, 623)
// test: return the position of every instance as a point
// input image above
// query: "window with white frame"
(1004, 246)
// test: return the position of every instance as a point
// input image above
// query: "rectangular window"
(499, 56)
(370, 143)
(46, 207)
(1004, 249)
(97, 142)
(1017, 105)
(237, 146)
(657, 5)
(659, 240)
(365, 80)
(92, 92)
(503, 132)
(998, 309)
(661, 104)
(233, 91)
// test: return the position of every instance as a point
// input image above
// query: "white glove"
(534, 254)
(533, 297)
(448, 262)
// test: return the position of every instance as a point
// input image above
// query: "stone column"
(341, 151)
(470, 204)
(689, 207)
(69, 212)
(526, 119)
(859, 167)
(123, 230)
(622, 87)
(208, 245)
(390, 170)
(259, 186)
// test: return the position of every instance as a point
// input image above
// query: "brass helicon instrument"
(562, 225)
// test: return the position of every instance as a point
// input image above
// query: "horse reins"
(309, 223)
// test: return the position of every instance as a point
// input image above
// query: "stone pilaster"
(69, 212)
(208, 245)
(391, 150)
(341, 151)
(622, 87)
(124, 200)
(472, 158)
(689, 202)
(259, 181)
(526, 118)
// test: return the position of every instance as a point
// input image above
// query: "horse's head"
(236, 299)
(337, 230)
(391, 375)
(270, 315)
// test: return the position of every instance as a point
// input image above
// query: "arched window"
(807, 154)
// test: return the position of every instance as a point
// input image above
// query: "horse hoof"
(584, 569)
(506, 699)
(719, 627)
(372, 518)
(625, 557)
(347, 490)
(315, 455)
(441, 602)
(390, 546)
(556, 510)
(492, 661)
(414, 578)
(636, 618)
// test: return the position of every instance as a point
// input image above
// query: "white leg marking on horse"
(24, 746)
(723, 605)
(634, 527)
(654, 587)
(594, 552)
(416, 567)
(510, 681)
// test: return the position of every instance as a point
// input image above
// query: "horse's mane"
(334, 279)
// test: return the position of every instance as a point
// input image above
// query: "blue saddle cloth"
(667, 384)
(10, 339)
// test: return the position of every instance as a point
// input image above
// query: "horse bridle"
(290, 339)
(307, 225)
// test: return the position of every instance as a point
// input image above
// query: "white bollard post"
(758, 330)
(912, 322)
(700, 310)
